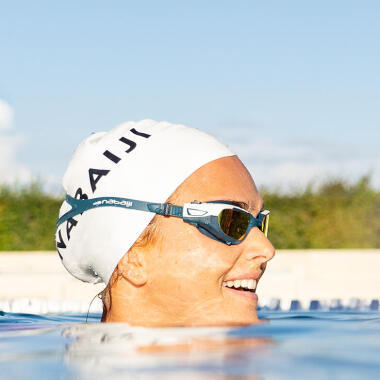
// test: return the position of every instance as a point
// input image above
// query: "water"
(291, 345)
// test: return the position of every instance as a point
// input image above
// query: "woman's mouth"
(245, 287)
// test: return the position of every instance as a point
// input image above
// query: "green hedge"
(27, 218)
(336, 215)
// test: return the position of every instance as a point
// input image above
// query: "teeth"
(245, 284)
(251, 284)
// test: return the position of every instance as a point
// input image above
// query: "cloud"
(288, 163)
(6, 116)
(11, 171)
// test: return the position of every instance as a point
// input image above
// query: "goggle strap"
(78, 206)
(166, 209)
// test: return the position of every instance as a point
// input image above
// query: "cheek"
(188, 263)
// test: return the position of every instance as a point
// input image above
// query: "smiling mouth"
(243, 285)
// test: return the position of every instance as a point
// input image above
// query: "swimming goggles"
(219, 220)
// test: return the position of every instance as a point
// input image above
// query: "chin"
(234, 319)
(226, 322)
(231, 310)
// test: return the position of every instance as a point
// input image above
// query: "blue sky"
(293, 87)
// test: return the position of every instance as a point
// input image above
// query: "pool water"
(290, 345)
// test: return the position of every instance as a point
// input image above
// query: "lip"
(247, 276)
(247, 294)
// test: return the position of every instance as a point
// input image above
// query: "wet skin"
(178, 280)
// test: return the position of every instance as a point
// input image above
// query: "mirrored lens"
(234, 223)
(265, 225)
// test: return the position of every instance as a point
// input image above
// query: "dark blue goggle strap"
(79, 206)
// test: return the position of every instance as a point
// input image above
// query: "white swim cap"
(144, 160)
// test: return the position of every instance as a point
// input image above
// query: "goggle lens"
(265, 224)
(234, 223)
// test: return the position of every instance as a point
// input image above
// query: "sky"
(293, 87)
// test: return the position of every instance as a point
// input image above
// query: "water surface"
(291, 345)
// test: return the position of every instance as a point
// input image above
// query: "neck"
(127, 303)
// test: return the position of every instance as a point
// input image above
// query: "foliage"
(335, 215)
(27, 218)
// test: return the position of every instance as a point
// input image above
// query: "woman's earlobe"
(130, 269)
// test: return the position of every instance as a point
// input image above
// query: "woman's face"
(187, 271)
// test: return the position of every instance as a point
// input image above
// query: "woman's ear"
(131, 269)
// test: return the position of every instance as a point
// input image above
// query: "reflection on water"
(112, 348)
(312, 345)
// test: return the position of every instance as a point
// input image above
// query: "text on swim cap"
(94, 176)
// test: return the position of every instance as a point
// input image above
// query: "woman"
(172, 222)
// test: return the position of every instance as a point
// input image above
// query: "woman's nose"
(258, 246)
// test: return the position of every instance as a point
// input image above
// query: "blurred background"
(292, 87)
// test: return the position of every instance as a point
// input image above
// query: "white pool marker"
(42, 306)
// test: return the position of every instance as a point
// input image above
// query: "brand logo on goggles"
(113, 202)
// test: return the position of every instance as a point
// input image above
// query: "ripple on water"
(289, 345)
